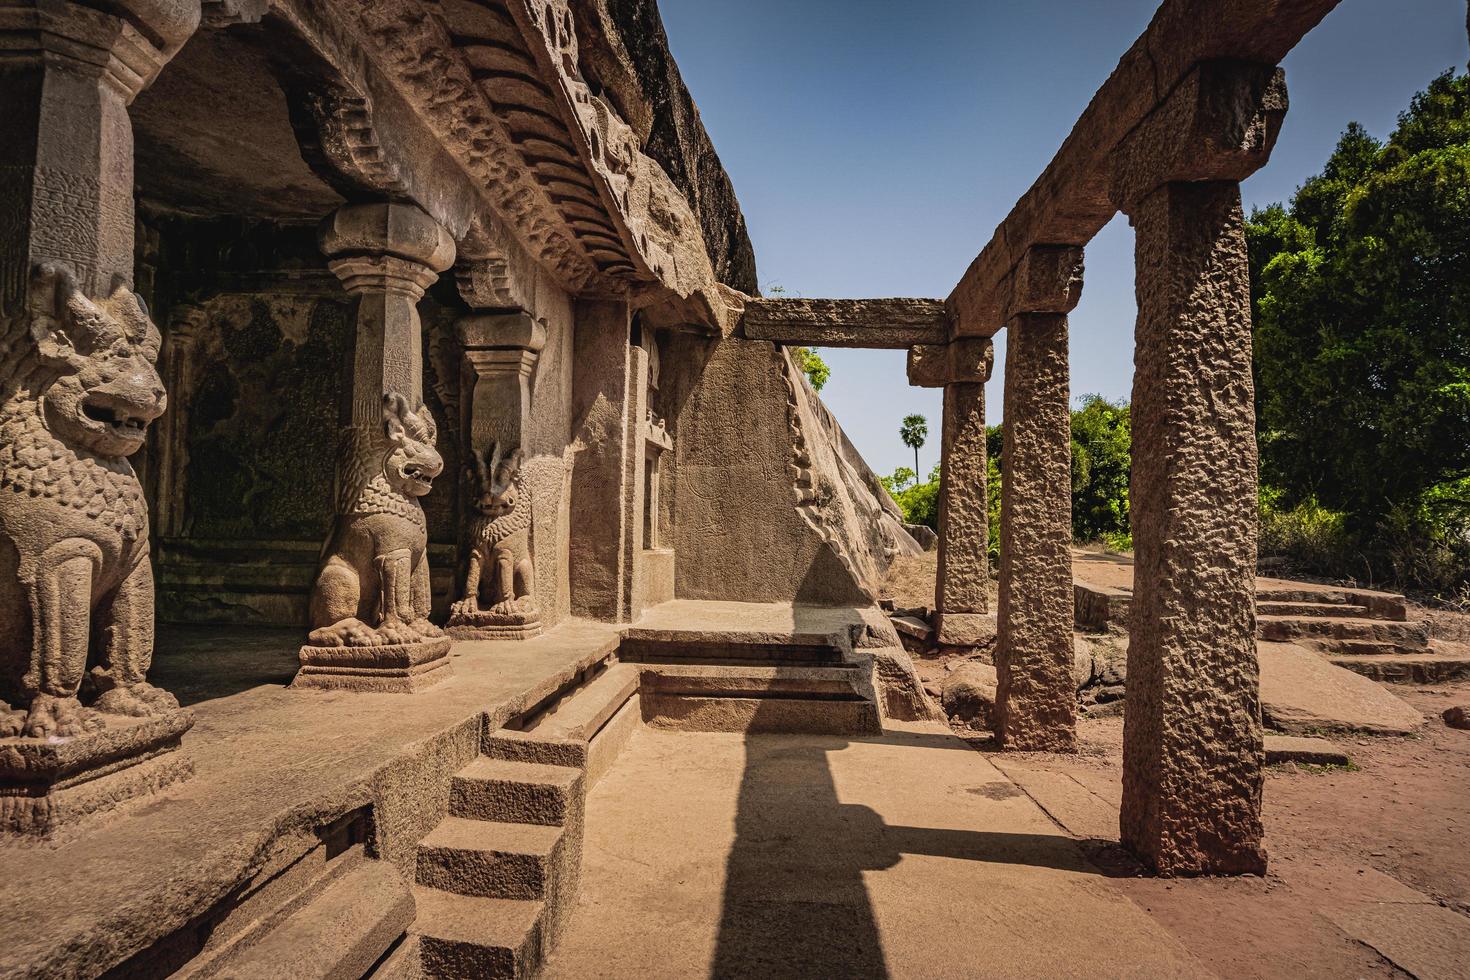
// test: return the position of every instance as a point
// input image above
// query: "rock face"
(1457, 717)
(624, 43)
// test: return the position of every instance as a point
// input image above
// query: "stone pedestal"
(398, 668)
(1193, 754)
(962, 367)
(47, 784)
(1036, 697)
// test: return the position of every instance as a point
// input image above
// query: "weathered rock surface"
(1297, 748)
(1457, 717)
(969, 695)
(1302, 691)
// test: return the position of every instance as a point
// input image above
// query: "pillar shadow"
(795, 902)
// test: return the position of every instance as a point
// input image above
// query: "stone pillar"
(962, 607)
(67, 75)
(500, 355)
(1193, 756)
(186, 323)
(370, 604)
(1036, 697)
(386, 256)
(607, 379)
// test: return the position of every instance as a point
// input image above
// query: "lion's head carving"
(99, 387)
(412, 461)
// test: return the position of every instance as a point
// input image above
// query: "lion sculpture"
(499, 598)
(78, 389)
(373, 588)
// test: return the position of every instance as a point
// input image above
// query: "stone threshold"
(273, 768)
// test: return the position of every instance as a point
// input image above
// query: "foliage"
(811, 364)
(918, 501)
(913, 432)
(1102, 441)
(1309, 536)
(1362, 342)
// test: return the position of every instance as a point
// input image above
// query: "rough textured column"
(1193, 756)
(962, 605)
(67, 75)
(1036, 697)
(386, 256)
(602, 370)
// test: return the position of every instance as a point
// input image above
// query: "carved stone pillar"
(1193, 756)
(67, 75)
(961, 367)
(370, 604)
(186, 323)
(81, 592)
(500, 355)
(1036, 697)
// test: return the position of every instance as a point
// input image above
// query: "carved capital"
(390, 246)
(128, 45)
(1219, 123)
(964, 360)
(1048, 279)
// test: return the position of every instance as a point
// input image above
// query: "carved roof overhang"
(554, 170)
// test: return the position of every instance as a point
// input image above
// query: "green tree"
(1362, 339)
(913, 432)
(1102, 444)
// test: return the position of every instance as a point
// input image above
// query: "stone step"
(522, 746)
(514, 792)
(758, 698)
(733, 649)
(461, 936)
(1380, 605)
(489, 859)
(1429, 667)
(1285, 629)
(1336, 609)
(581, 715)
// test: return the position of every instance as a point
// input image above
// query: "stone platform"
(47, 784)
(486, 625)
(275, 769)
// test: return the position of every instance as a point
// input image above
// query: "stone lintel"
(1048, 279)
(965, 360)
(1219, 123)
(891, 324)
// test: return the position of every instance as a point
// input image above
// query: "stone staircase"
(496, 879)
(1366, 632)
(752, 681)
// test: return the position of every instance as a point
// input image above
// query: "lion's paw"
(137, 701)
(427, 630)
(60, 717)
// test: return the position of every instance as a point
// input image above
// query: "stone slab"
(1422, 939)
(873, 323)
(1302, 691)
(913, 628)
(965, 629)
(1297, 748)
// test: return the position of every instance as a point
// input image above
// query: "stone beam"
(1069, 202)
(875, 323)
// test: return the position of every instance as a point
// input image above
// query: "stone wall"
(765, 507)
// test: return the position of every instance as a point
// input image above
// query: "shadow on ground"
(200, 663)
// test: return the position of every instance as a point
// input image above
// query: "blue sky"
(875, 146)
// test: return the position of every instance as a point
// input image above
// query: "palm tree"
(913, 432)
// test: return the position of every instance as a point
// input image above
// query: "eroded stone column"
(1193, 755)
(186, 322)
(961, 601)
(1036, 697)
